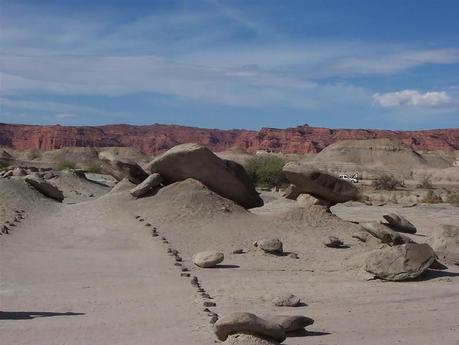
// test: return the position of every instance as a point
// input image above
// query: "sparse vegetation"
(387, 182)
(432, 198)
(426, 182)
(266, 170)
(3, 166)
(65, 165)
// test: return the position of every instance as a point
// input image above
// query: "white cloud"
(413, 98)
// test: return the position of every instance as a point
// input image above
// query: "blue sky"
(231, 64)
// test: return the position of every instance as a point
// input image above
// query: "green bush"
(387, 182)
(265, 170)
(65, 165)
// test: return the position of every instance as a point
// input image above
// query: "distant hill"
(153, 139)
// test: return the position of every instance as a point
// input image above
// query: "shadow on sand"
(28, 315)
(305, 333)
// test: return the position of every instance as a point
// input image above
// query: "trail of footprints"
(6, 228)
(185, 272)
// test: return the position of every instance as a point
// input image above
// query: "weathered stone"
(319, 184)
(406, 261)
(44, 187)
(151, 182)
(307, 200)
(122, 168)
(248, 339)
(291, 323)
(446, 244)
(333, 242)
(248, 323)
(400, 223)
(208, 259)
(224, 177)
(273, 246)
(385, 234)
(287, 300)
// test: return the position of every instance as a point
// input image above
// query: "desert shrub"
(65, 165)
(453, 198)
(265, 170)
(3, 166)
(387, 182)
(426, 182)
(432, 198)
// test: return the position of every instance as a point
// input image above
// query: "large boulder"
(446, 244)
(399, 223)
(385, 234)
(208, 259)
(406, 261)
(291, 323)
(152, 181)
(44, 187)
(319, 184)
(224, 177)
(248, 323)
(121, 168)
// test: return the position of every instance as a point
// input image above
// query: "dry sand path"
(76, 274)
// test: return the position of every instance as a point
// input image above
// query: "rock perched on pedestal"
(400, 223)
(151, 182)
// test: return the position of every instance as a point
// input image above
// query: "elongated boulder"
(208, 259)
(399, 223)
(385, 234)
(224, 177)
(121, 168)
(152, 181)
(446, 244)
(291, 323)
(44, 187)
(319, 184)
(248, 323)
(406, 261)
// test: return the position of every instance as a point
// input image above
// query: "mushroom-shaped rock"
(248, 339)
(319, 184)
(273, 246)
(287, 300)
(224, 177)
(208, 259)
(406, 261)
(44, 187)
(248, 323)
(152, 181)
(446, 244)
(400, 223)
(291, 323)
(385, 234)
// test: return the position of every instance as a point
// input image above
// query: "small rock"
(208, 259)
(238, 251)
(293, 256)
(273, 246)
(291, 323)
(399, 223)
(209, 304)
(184, 274)
(287, 300)
(333, 242)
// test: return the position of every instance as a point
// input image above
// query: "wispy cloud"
(413, 98)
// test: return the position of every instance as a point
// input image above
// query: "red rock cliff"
(156, 138)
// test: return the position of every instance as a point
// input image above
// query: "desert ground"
(104, 267)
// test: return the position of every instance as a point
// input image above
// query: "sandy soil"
(92, 273)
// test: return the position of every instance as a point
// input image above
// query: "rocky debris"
(291, 323)
(333, 242)
(248, 323)
(319, 184)
(291, 192)
(151, 182)
(122, 168)
(248, 339)
(238, 251)
(446, 244)
(293, 256)
(44, 187)
(224, 177)
(208, 259)
(19, 172)
(406, 261)
(385, 234)
(209, 304)
(287, 300)
(272, 246)
(399, 223)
